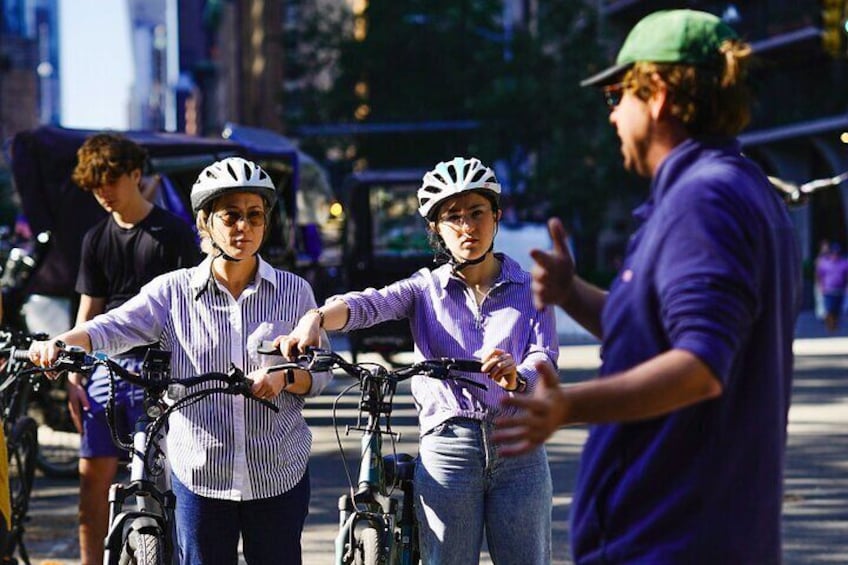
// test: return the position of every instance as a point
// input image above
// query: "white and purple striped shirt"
(224, 447)
(446, 321)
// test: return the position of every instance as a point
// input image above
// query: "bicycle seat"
(401, 467)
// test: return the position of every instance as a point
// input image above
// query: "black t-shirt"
(117, 262)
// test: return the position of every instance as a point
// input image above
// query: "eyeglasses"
(456, 220)
(254, 218)
(614, 93)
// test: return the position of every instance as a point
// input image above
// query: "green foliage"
(448, 60)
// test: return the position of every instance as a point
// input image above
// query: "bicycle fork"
(379, 509)
(154, 501)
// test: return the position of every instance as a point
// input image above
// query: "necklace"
(481, 294)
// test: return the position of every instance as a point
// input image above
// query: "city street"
(815, 502)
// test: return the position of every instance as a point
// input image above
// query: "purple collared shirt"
(446, 321)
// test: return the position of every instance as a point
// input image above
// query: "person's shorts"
(833, 303)
(96, 440)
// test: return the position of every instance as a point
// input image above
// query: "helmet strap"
(457, 265)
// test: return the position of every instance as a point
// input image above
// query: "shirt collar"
(201, 273)
(680, 158)
(510, 272)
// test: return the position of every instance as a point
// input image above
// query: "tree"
(426, 61)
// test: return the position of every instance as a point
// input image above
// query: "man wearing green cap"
(684, 461)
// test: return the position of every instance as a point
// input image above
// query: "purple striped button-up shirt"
(446, 321)
(225, 447)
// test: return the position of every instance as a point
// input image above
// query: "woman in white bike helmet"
(238, 468)
(477, 305)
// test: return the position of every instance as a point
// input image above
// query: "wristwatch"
(520, 384)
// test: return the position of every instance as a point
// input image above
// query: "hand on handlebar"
(306, 333)
(501, 368)
(267, 385)
(44, 354)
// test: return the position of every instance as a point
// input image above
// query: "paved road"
(816, 501)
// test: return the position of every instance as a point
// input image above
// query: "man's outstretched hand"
(540, 415)
(553, 271)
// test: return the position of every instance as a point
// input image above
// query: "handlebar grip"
(469, 365)
(21, 355)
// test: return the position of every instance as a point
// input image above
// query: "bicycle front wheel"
(143, 548)
(369, 548)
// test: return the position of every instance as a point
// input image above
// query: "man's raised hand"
(553, 271)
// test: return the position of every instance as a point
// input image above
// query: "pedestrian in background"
(136, 242)
(832, 279)
(818, 298)
(684, 459)
(477, 304)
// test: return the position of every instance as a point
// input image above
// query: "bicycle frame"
(21, 432)
(377, 525)
(155, 502)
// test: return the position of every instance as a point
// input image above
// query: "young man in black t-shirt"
(135, 243)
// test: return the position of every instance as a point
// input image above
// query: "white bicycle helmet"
(450, 178)
(232, 174)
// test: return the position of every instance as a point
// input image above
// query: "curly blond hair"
(104, 158)
(708, 101)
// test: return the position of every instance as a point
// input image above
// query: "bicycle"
(145, 535)
(376, 522)
(58, 451)
(21, 432)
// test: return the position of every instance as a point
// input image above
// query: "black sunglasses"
(613, 94)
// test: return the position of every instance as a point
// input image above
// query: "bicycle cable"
(339, 439)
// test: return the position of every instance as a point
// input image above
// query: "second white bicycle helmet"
(232, 174)
(453, 177)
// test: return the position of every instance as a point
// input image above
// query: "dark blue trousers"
(208, 529)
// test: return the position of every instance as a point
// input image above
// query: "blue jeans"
(208, 528)
(462, 485)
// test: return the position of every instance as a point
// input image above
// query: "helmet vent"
(232, 171)
(466, 168)
(479, 175)
(246, 170)
(432, 189)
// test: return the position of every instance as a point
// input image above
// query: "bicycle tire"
(22, 449)
(143, 548)
(58, 453)
(369, 550)
(58, 440)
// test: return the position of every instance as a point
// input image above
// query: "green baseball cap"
(689, 37)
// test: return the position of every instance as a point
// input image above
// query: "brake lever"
(243, 388)
(266, 403)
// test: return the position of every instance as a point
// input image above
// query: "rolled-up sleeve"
(138, 321)
(543, 346)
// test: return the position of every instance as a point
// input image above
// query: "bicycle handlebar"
(75, 359)
(443, 368)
